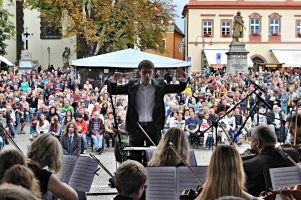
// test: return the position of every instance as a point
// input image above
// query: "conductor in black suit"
(263, 141)
(146, 106)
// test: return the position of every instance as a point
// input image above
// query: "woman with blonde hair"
(22, 176)
(164, 155)
(46, 151)
(226, 164)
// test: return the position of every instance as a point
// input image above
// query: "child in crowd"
(33, 124)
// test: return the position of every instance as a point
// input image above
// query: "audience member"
(71, 141)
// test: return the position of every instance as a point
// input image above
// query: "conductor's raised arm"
(117, 89)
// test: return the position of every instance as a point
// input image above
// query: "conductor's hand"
(181, 74)
(117, 75)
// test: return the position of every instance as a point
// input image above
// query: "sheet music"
(138, 148)
(83, 174)
(161, 183)
(67, 169)
(186, 181)
(284, 177)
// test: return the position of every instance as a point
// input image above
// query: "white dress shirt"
(145, 102)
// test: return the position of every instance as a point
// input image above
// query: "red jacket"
(84, 126)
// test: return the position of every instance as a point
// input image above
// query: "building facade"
(42, 38)
(272, 32)
(173, 44)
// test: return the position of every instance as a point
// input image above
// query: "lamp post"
(203, 48)
(48, 56)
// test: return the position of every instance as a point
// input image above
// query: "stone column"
(237, 58)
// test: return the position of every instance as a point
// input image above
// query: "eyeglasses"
(144, 186)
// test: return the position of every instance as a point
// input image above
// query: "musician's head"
(46, 150)
(146, 69)
(130, 179)
(23, 176)
(291, 121)
(262, 136)
(164, 155)
(14, 192)
(8, 158)
(230, 172)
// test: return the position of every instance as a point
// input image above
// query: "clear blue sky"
(180, 5)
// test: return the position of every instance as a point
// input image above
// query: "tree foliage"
(109, 25)
(7, 28)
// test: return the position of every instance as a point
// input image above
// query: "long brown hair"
(23, 176)
(41, 122)
(9, 158)
(225, 175)
(163, 155)
(54, 127)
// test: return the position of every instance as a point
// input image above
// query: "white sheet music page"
(161, 183)
(284, 177)
(67, 169)
(186, 180)
(83, 174)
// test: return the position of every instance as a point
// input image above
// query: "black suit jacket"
(161, 88)
(76, 144)
(256, 167)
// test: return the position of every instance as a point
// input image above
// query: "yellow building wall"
(194, 28)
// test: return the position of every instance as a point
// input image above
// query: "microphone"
(263, 101)
(257, 86)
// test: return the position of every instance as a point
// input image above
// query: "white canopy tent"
(2, 59)
(128, 58)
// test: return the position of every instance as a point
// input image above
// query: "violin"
(294, 190)
(291, 145)
(248, 153)
(191, 194)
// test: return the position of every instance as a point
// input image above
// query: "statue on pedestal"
(238, 27)
(26, 55)
(66, 57)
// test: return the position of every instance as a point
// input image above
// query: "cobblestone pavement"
(100, 183)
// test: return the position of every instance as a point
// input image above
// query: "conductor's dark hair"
(146, 63)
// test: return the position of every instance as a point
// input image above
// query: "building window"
(226, 26)
(274, 26)
(298, 27)
(164, 43)
(254, 26)
(207, 28)
(50, 31)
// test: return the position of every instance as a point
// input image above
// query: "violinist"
(292, 130)
(263, 141)
(164, 156)
(224, 178)
(130, 180)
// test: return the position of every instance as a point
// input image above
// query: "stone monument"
(237, 57)
(66, 57)
(26, 63)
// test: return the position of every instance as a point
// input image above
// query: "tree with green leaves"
(7, 28)
(103, 26)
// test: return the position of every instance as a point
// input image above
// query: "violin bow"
(228, 136)
(146, 134)
(185, 163)
(101, 165)
(10, 138)
(290, 158)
